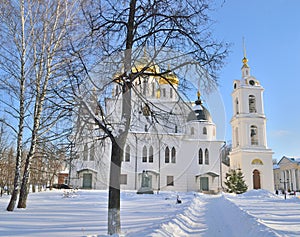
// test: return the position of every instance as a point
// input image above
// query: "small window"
(85, 152)
(127, 153)
(151, 154)
(144, 159)
(237, 106)
(171, 92)
(146, 128)
(237, 137)
(92, 153)
(200, 157)
(170, 180)
(206, 157)
(205, 131)
(173, 155)
(176, 129)
(123, 179)
(167, 155)
(192, 131)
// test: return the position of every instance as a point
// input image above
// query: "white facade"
(287, 174)
(250, 152)
(172, 140)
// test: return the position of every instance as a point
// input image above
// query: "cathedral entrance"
(256, 179)
(87, 181)
(204, 183)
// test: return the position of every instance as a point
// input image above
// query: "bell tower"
(250, 152)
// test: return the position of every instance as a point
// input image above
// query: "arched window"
(85, 152)
(257, 162)
(206, 157)
(237, 136)
(92, 153)
(164, 92)
(145, 87)
(176, 128)
(153, 89)
(173, 155)
(254, 135)
(144, 159)
(151, 154)
(167, 155)
(237, 106)
(200, 157)
(127, 153)
(252, 104)
(205, 131)
(192, 131)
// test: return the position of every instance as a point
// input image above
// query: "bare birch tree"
(127, 26)
(31, 59)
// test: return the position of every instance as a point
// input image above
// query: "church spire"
(198, 101)
(245, 67)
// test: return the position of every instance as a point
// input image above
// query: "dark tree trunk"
(114, 222)
(24, 187)
(15, 192)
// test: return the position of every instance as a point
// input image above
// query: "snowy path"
(225, 219)
(214, 216)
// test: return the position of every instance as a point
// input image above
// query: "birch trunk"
(15, 191)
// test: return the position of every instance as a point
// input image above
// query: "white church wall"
(170, 131)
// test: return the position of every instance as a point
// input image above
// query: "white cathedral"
(174, 142)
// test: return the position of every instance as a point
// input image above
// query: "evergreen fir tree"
(235, 182)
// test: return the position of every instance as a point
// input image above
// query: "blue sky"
(271, 29)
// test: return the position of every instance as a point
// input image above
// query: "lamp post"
(284, 184)
(72, 144)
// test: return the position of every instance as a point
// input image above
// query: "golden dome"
(138, 67)
(168, 78)
(145, 63)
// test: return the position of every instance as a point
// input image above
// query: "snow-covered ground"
(84, 213)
